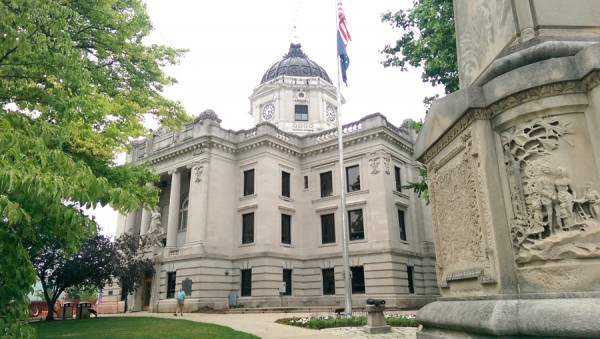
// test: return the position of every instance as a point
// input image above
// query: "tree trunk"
(50, 303)
(126, 297)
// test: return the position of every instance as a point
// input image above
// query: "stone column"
(174, 201)
(198, 207)
(130, 222)
(145, 217)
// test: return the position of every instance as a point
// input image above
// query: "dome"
(295, 63)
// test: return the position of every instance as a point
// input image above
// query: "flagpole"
(345, 230)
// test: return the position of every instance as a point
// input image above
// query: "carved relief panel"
(553, 187)
(454, 184)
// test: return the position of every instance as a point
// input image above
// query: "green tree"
(76, 83)
(58, 271)
(132, 266)
(428, 41)
(419, 187)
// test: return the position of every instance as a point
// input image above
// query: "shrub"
(317, 321)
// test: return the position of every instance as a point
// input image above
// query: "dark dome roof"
(295, 63)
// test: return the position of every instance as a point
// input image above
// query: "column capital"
(173, 171)
(192, 164)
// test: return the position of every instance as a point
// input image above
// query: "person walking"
(180, 301)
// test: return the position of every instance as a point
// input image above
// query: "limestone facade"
(243, 211)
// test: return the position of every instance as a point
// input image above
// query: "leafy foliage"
(420, 187)
(76, 83)
(429, 40)
(93, 265)
(132, 266)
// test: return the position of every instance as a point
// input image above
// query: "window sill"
(286, 198)
(328, 244)
(401, 194)
(357, 192)
(286, 245)
(357, 241)
(247, 245)
(246, 197)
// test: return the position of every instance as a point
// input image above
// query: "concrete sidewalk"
(263, 325)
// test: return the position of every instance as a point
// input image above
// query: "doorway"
(147, 291)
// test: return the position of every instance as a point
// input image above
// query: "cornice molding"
(540, 92)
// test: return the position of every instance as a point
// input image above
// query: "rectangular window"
(326, 184)
(286, 229)
(246, 282)
(411, 282)
(301, 112)
(287, 278)
(171, 280)
(248, 228)
(285, 184)
(306, 182)
(328, 281)
(357, 229)
(402, 225)
(353, 178)
(328, 228)
(249, 182)
(358, 279)
(398, 178)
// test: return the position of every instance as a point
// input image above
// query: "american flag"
(342, 28)
(343, 37)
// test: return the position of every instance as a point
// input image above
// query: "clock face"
(330, 113)
(268, 111)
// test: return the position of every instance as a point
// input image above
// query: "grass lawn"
(134, 327)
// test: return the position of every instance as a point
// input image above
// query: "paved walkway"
(264, 326)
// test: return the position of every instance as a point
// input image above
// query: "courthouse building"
(243, 211)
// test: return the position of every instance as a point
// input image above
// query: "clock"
(268, 112)
(330, 113)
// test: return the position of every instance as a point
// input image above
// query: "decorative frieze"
(567, 87)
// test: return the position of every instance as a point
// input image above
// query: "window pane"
(306, 182)
(357, 230)
(326, 184)
(246, 283)
(328, 281)
(183, 214)
(171, 279)
(285, 184)
(411, 282)
(328, 228)
(248, 228)
(353, 178)
(249, 182)
(286, 229)
(358, 279)
(287, 278)
(301, 112)
(402, 225)
(398, 179)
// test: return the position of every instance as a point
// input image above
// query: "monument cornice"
(583, 85)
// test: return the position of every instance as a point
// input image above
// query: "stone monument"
(513, 160)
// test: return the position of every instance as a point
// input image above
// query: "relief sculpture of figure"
(547, 197)
(564, 210)
(537, 224)
(593, 198)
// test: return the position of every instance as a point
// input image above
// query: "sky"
(232, 43)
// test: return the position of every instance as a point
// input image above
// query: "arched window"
(183, 214)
